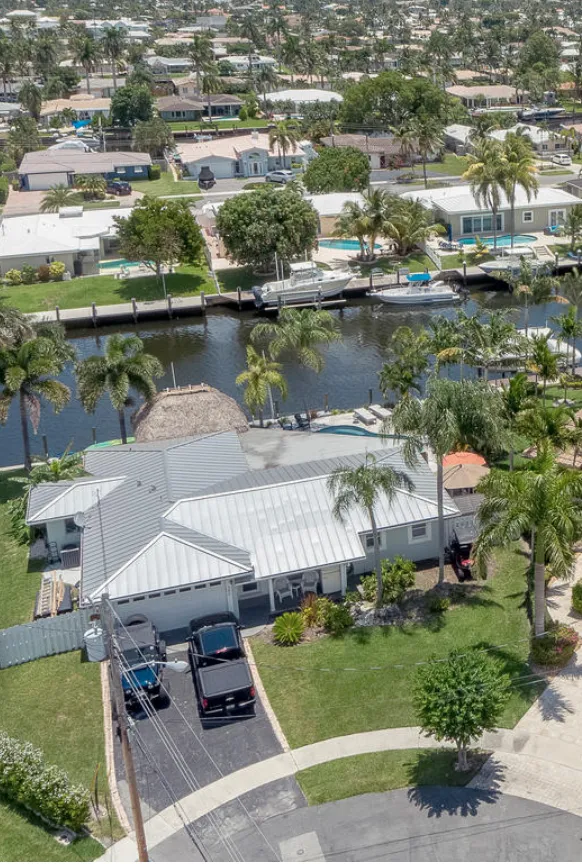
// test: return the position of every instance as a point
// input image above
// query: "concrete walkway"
(538, 760)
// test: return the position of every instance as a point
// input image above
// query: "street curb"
(260, 688)
(109, 757)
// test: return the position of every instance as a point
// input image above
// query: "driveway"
(209, 753)
(426, 824)
(28, 203)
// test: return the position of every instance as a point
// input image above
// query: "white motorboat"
(510, 360)
(307, 283)
(416, 292)
(510, 261)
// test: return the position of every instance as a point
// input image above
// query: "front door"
(256, 167)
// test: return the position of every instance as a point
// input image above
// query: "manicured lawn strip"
(456, 260)
(23, 838)
(313, 705)
(19, 578)
(416, 262)
(166, 185)
(381, 772)
(108, 204)
(196, 126)
(450, 164)
(106, 290)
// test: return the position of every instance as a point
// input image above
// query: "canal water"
(211, 349)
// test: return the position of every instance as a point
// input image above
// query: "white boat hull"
(417, 295)
(285, 292)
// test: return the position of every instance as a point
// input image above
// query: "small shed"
(183, 411)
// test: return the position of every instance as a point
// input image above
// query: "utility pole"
(121, 715)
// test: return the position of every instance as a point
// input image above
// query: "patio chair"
(309, 583)
(282, 588)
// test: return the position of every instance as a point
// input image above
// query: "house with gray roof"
(224, 522)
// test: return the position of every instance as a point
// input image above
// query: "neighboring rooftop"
(460, 199)
(57, 161)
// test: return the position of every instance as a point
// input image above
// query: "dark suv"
(142, 651)
(118, 187)
(206, 178)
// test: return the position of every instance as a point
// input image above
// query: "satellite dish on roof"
(79, 519)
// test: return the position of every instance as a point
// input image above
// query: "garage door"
(38, 182)
(172, 609)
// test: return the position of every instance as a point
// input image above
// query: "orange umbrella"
(463, 458)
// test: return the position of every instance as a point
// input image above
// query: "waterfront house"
(195, 107)
(42, 169)
(484, 95)
(240, 156)
(85, 105)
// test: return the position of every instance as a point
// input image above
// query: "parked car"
(460, 549)
(221, 672)
(283, 175)
(142, 651)
(206, 178)
(562, 159)
(118, 187)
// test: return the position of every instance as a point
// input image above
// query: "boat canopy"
(419, 277)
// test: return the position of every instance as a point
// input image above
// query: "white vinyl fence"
(44, 637)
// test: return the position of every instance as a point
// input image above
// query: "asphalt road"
(428, 824)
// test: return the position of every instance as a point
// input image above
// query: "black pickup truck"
(221, 672)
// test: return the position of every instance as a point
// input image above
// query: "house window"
(419, 533)
(166, 593)
(544, 146)
(250, 587)
(122, 602)
(199, 587)
(70, 526)
(138, 170)
(478, 224)
(120, 170)
(528, 216)
(154, 596)
(183, 590)
(137, 599)
(370, 541)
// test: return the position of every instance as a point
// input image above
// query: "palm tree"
(407, 363)
(352, 222)
(489, 341)
(429, 136)
(266, 79)
(30, 98)
(407, 140)
(250, 30)
(57, 197)
(541, 500)
(571, 288)
(519, 169)
(91, 185)
(517, 399)
(15, 327)
(124, 366)
(445, 341)
(66, 467)
(573, 225)
(285, 136)
(534, 287)
(211, 83)
(299, 331)
(363, 487)
(570, 330)
(200, 52)
(86, 53)
(291, 52)
(485, 177)
(548, 425)
(6, 61)
(407, 224)
(454, 414)
(113, 45)
(543, 361)
(258, 378)
(27, 373)
(46, 55)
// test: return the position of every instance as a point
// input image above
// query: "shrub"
(437, 604)
(57, 270)
(337, 619)
(43, 273)
(28, 274)
(43, 789)
(242, 114)
(397, 578)
(311, 610)
(556, 647)
(154, 172)
(4, 187)
(288, 628)
(14, 277)
(577, 597)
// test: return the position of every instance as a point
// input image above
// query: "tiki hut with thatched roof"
(184, 411)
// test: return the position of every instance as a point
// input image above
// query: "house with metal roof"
(42, 169)
(223, 522)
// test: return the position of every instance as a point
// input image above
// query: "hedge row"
(44, 789)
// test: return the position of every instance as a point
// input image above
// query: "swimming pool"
(117, 264)
(348, 430)
(504, 240)
(352, 245)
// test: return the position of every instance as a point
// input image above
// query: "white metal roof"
(167, 562)
(460, 199)
(49, 233)
(310, 95)
(75, 499)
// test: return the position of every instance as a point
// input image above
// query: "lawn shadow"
(459, 799)
(11, 485)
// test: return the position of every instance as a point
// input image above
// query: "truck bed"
(224, 678)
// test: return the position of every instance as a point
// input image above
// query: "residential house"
(382, 151)
(211, 22)
(241, 156)
(544, 141)
(168, 65)
(457, 209)
(85, 105)
(458, 138)
(484, 95)
(42, 169)
(240, 62)
(300, 97)
(196, 107)
(101, 88)
(223, 522)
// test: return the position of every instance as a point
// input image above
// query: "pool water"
(344, 244)
(348, 430)
(504, 240)
(117, 264)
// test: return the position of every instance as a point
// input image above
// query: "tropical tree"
(300, 332)
(66, 467)
(408, 360)
(362, 488)
(547, 425)
(573, 226)
(211, 83)
(113, 46)
(338, 169)
(485, 177)
(491, 340)
(519, 170)
(46, 55)
(352, 222)
(408, 224)
(571, 288)
(570, 329)
(541, 500)
(258, 379)
(6, 61)
(152, 136)
(453, 415)
(30, 97)
(533, 287)
(28, 371)
(543, 361)
(201, 55)
(291, 52)
(124, 366)
(407, 140)
(91, 185)
(86, 53)
(429, 135)
(284, 136)
(517, 398)
(57, 197)
(15, 327)
(250, 30)
(266, 79)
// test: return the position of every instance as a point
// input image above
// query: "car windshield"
(135, 656)
(219, 640)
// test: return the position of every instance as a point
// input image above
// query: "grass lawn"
(106, 290)
(232, 277)
(456, 260)
(19, 578)
(313, 705)
(108, 204)
(196, 126)
(417, 262)
(380, 772)
(551, 171)
(26, 839)
(449, 164)
(166, 185)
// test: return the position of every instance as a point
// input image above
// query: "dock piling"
(94, 314)
(169, 302)
(58, 313)
(134, 308)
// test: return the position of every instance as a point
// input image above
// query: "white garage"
(41, 182)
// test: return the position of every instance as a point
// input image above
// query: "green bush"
(311, 610)
(26, 780)
(4, 187)
(556, 647)
(438, 604)
(242, 114)
(28, 274)
(43, 273)
(57, 270)
(337, 619)
(577, 597)
(288, 628)
(14, 277)
(397, 578)
(154, 172)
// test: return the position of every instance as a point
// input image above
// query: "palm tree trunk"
(114, 74)
(377, 561)
(539, 587)
(441, 518)
(25, 433)
(87, 81)
(122, 426)
(512, 216)
(511, 457)
(494, 229)
(424, 170)
(198, 78)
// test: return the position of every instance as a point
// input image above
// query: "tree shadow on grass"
(11, 485)
(456, 799)
(148, 287)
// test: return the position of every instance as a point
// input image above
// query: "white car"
(283, 175)
(561, 159)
